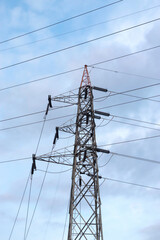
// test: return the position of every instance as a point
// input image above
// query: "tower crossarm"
(63, 159)
(68, 128)
(70, 98)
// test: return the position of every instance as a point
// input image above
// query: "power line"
(34, 113)
(126, 55)
(28, 206)
(135, 96)
(131, 183)
(44, 121)
(59, 22)
(19, 208)
(136, 158)
(43, 111)
(131, 124)
(43, 78)
(80, 68)
(132, 140)
(42, 184)
(126, 73)
(79, 29)
(36, 122)
(32, 123)
(128, 102)
(86, 42)
(136, 120)
(115, 93)
(135, 89)
(15, 160)
(40, 170)
(106, 162)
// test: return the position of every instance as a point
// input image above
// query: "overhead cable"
(129, 141)
(136, 120)
(28, 206)
(130, 183)
(135, 96)
(132, 124)
(40, 79)
(19, 208)
(125, 55)
(15, 160)
(79, 29)
(37, 201)
(59, 22)
(126, 73)
(126, 123)
(128, 102)
(110, 106)
(40, 170)
(76, 69)
(33, 113)
(135, 89)
(86, 42)
(136, 158)
(32, 123)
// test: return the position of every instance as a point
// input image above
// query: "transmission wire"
(19, 208)
(62, 21)
(42, 184)
(126, 73)
(79, 29)
(86, 42)
(29, 198)
(131, 183)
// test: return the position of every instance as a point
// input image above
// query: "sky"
(128, 212)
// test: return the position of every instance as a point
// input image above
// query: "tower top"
(85, 77)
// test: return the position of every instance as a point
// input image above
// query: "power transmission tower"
(85, 221)
(85, 204)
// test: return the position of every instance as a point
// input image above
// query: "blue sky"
(128, 212)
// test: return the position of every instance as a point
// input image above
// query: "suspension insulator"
(33, 164)
(80, 181)
(86, 91)
(32, 169)
(85, 153)
(54, 141)
(47, 109)
(50, 101)
(57, 132)
(87, 118)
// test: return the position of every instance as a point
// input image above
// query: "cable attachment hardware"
(102, 113)
(100, 89)
(98, 149)
(34, 168)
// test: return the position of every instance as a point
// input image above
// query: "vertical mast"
(85, 204)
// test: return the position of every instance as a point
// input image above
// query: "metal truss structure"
(85, 204)
(85, 220)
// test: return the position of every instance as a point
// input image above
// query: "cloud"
(121, 203)
(151, 232)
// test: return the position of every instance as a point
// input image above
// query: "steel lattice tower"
(85, 204)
